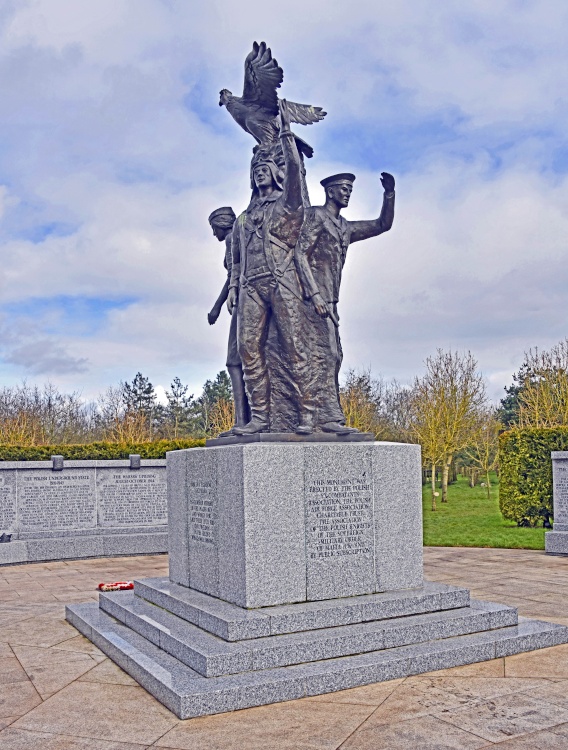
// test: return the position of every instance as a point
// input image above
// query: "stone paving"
(58, 691)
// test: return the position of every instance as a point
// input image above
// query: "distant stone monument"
(556, 541)
(295, 542)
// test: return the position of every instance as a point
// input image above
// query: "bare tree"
(372, 404)
(427, 429)
(447, 401)
(30, 415)
(360, 397)
(221, 416)
(117, 422)
(543, 391)
(483, 448)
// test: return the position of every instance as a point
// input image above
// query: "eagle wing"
(263, 76)
(305, 114)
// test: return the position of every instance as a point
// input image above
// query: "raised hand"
(387, 181)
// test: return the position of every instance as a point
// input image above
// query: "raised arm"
(362, 230)
(293, 182)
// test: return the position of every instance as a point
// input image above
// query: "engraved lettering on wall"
(8, 513)
(59, 500)
(132, 498)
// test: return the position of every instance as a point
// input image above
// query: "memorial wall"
(53, 510)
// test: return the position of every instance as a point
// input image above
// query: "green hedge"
(525, 473)
(94, 451)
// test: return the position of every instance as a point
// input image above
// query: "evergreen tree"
(182, 412)
(141, 406)
(214, 391)
(508, 411)
(139, 396)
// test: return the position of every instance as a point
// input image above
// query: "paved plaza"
(58, 691)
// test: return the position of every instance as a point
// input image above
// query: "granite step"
(233, 623)
(188, 694)
(213, 657)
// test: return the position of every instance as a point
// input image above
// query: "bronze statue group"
(284, 261)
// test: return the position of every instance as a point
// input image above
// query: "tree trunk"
(445, 476)
(488, 485)
(433, 486)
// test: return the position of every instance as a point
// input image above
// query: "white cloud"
(111, 130)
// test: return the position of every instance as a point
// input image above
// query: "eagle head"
(224, 96)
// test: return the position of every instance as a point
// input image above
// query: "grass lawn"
(469, 519)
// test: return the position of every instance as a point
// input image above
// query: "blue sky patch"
(78, 315)
(40, 232)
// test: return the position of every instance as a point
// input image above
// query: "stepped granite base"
(295, 570)
(199, 655)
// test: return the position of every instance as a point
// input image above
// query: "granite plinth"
(291, 437)
(295, 570)
(160, 658)
(264, 524)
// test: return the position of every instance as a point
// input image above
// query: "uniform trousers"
(260, 301)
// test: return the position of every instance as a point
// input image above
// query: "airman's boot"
(306, 426)
(257, 424)
(339, 429)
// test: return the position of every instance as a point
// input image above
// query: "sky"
(113, 152)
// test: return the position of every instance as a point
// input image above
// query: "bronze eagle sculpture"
(256, 111)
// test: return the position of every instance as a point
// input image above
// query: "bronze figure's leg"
(325, 361)
(253, 316)
(332, 417)
(242, 411)
(291, 321)
(235, 370)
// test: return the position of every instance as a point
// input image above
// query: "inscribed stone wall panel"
(56, 500)
(129, 497)
(8, 506)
